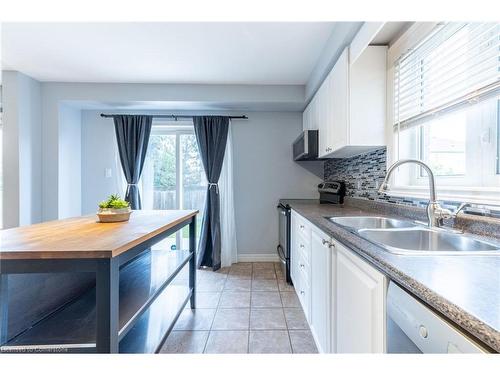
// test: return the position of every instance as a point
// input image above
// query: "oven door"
(283, 248)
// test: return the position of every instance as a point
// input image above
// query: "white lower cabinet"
(322, 293)
(343, 297)
(300, 261)
(360, 305)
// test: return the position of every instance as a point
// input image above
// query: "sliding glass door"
(173, 176)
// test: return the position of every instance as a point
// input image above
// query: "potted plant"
(114, 209)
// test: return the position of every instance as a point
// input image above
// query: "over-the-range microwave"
(305, 147)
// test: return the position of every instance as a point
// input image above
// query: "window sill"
(476, 195)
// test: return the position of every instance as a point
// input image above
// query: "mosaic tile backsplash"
(364, 173)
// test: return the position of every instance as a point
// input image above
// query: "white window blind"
(458, 64)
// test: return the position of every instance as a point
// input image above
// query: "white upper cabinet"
(367, 104)
(336, 127)
(349, 109)
(306, 118)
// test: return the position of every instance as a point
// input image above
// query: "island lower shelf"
(154, 288)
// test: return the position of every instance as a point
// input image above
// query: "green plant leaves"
(114, 201)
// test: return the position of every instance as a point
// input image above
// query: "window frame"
(446, 191)
(178, 128)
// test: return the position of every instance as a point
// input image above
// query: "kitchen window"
(446, 106)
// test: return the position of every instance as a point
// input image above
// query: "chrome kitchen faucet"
(435, 213)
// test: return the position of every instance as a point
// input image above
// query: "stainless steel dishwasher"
(412, 327)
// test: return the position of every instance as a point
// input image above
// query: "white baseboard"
(258, 258)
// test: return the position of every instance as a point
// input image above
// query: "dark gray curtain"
(211, 135)
(132, 134)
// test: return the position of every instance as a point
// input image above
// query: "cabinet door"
(313, 113)
(360, 305)
(322, 105)
(321, 293)
(306, 119)
(305, 123)
(367, 101)
(339, 101)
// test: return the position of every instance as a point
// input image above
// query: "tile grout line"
(286, 322)
(213, 319)
(219, 307)
(250, 313)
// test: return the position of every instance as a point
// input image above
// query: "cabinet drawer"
(304, 269)
(303, 246)
(301, 225)
(304, 295)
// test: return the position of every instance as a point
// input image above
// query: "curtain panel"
(229, 245)
(132, 135)
(211, 136)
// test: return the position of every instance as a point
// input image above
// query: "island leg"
(4, 307)
(192, 262)
(107, 291)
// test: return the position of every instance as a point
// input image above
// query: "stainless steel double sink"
(411, 238)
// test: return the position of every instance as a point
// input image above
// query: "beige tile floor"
(247, 308)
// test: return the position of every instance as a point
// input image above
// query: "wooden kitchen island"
(140, 291)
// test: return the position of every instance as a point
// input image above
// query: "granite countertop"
(464, 288)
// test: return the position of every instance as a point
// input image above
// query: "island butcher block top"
(86, 238)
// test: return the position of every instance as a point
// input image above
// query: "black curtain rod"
(243, 117)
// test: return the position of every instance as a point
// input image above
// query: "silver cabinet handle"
(301, 227)
(301, 246)
(330, 244)
(302, 266)
(302, 292)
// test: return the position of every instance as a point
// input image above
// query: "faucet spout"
(435, 213)
(430, 175)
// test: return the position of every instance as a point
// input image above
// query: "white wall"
(22, 150)
(264, 172)
(70, 161)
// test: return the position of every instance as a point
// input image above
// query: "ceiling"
(202, 53)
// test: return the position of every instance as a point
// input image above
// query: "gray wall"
(70, 161)
(73, 148)
(132, 97)
(263, 173)
(31, 297)
(22, 150)
(98, 153)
